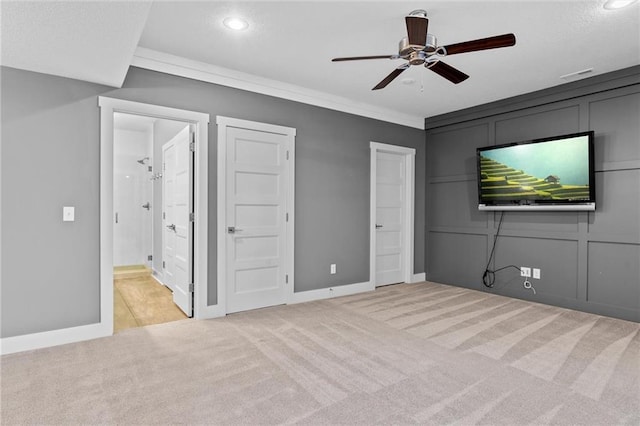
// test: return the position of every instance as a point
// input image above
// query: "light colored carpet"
(404, 354)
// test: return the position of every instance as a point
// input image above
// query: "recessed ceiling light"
(617, 4)
(234, 23)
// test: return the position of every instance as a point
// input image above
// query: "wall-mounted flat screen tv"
(542, 174)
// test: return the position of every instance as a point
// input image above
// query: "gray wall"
(589, 261)
(50, 158)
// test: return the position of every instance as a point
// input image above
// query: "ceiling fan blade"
(358, 58)
(388, 79)
(447, 71)
(417, 29)
(504, 40)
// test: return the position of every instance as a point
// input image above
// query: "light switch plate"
(68, 214)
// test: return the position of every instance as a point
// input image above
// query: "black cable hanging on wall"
(489, 276)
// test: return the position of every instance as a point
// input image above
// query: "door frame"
(223, 123)
(409, 155)
(108, 106)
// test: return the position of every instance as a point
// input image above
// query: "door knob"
(378, 226)
(172, 227)
(233, 229)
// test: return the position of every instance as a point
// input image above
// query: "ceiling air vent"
(577, 75)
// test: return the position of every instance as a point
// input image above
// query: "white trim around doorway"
(200, 121)
(409, 224)
(223, 123)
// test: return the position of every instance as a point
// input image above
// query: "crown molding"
(196, 70)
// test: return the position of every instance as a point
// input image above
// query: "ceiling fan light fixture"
(617, 4)
(235, 23)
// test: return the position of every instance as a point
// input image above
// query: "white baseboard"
(329, 292)
(418, 278)
(45, 339)
(157, 278)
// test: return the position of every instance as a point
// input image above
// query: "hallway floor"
(140, 300)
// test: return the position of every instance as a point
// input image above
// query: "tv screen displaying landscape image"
(544, 172)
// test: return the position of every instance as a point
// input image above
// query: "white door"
(390, 216)
(168, 230)
(178, 228)
(257, 180)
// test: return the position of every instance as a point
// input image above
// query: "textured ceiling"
(91, 41)
(292, 43)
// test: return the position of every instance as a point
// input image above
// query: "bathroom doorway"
(143, 287)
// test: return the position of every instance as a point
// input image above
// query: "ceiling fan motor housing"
(432, 44)
(404, 48)
(417, 58)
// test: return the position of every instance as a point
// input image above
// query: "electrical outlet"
(333, 268)
(525, 271)
(536, 273)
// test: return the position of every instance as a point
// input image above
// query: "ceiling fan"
(420, 47)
